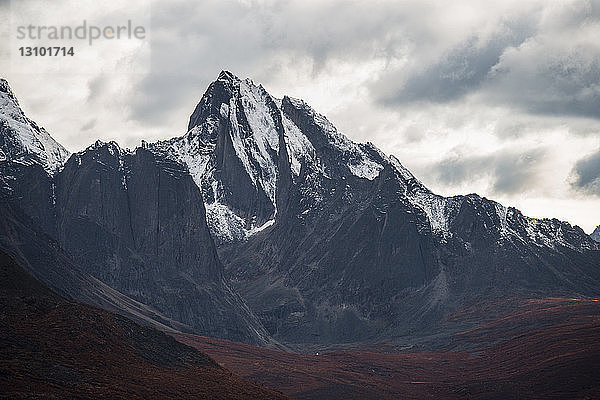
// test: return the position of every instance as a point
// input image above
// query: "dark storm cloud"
(508, 172)
(547, 63)
(565, 83)
(462, 70)
(587, 174)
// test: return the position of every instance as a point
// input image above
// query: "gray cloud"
(565, 83)
(507, 172)
(516, 58)
(417, 78)
(193, 41)
(89, 125)
(462, 70)
(586, 173)
(546, 62)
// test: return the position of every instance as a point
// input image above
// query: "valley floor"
(546, 348)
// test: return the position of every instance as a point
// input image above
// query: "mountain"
(54, 348)
(134, 220)
(330, 241)
(232, 154)
(596, 234)
(266, 225)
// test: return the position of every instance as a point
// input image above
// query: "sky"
(496, 98)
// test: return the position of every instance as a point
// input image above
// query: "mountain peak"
(112, 145)
(23, 141)
(227, 75)
(7, 94)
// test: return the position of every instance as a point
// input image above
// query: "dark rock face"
(32, 189)
(41, 256)
(136, 221)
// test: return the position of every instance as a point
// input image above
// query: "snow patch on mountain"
(365, 168)
(224, 224)
(438, 210)
(299, 148)
(264, 135)
(502, 213)
(546, 233)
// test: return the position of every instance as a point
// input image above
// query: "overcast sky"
(498, 98)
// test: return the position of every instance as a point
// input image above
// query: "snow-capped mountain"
(596, 234)
(22, 140)
(232, 151)
(358, 247)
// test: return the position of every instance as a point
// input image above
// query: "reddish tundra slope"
(51, 348)
(547, 348)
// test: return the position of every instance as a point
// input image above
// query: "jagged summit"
(22, 140)
(5, 88)
(227, 75)
(232, 149)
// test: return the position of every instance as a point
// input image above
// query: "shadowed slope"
(54, 348)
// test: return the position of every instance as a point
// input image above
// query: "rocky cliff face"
(22, 237)
(136, 221)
